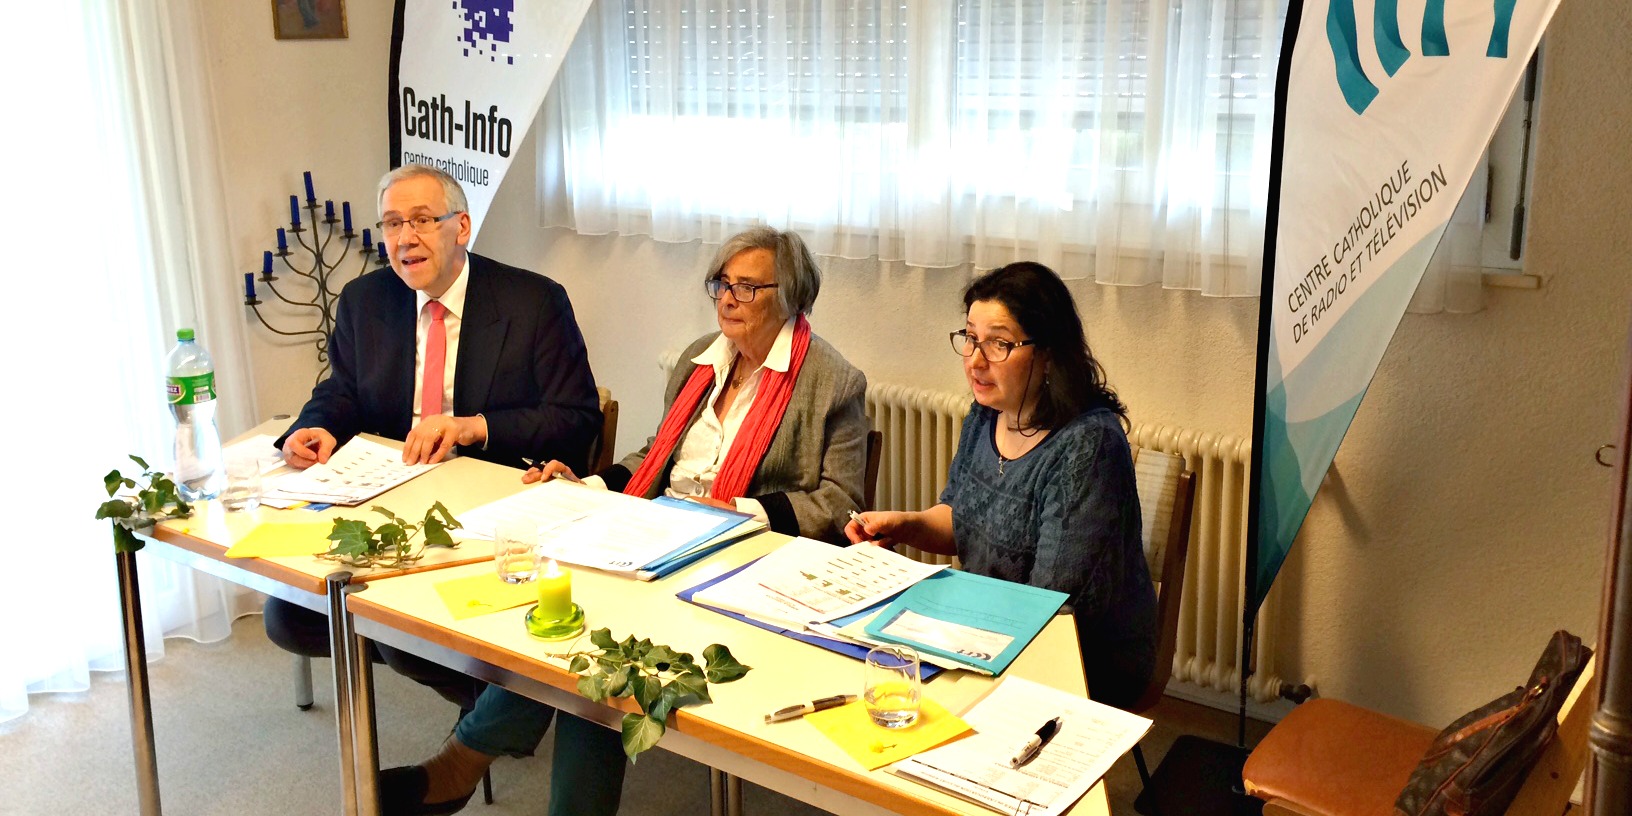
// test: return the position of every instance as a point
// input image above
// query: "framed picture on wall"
(309, 19)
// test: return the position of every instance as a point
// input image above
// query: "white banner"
(1388, 107)
(469, 82)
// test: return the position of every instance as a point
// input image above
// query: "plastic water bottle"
(190, 387)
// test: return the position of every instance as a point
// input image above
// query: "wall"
(1465, 519)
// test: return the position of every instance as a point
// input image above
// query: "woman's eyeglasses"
(995, 350)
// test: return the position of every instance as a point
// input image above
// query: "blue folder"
(843, 647)
(1017, 610)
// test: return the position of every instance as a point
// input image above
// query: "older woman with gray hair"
(761, 416)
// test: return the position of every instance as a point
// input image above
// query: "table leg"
(724, 794)
(141, 709)
(340, 650)
(366, 746)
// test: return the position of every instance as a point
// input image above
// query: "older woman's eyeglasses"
(743, 292)
(422, 224)
(995, 350)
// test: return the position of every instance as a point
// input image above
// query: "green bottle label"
(190, 390)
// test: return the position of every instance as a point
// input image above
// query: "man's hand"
(434, 437)
(549, 471)
(306, 447)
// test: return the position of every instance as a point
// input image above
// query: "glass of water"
(891, 688)
(515, 551)
(243, 491)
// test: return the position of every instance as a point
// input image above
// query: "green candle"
(554, 592)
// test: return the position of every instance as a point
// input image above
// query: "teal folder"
(999, 609)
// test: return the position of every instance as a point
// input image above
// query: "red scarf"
(753, 438)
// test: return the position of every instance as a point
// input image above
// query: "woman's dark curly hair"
(1046, 312)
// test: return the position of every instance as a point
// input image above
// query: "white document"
(1091, 738)
(597, 528)
(358, 471)
(806, 581)
(258, 447)
(948, 636)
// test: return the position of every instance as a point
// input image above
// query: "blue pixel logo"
(1358, 89)
(487, 27)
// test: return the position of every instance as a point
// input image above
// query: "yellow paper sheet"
(480, 594)
(875, 746)
(282, 539)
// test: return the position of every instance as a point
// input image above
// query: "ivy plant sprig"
(391, 544)
(156, 499)
(659, 679)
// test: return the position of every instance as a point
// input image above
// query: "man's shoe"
(402, 793)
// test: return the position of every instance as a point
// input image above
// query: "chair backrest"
(602, 449)
(875, 451)
(1166, 491)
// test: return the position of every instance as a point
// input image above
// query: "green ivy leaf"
(578, 665)
(115, 508)
(436, 534)
(659, 657)
(689, 689)
(646, 691)
(593, 686)
(441, 512)
(722, 667)
(124, 540)
(140, 462)
(353, 535)
(602, 638)
(617, 683)
(640, 733)
(112, 481)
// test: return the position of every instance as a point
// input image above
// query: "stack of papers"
(358, 471)
(806, 581)
(1091, 738)
(610, 531)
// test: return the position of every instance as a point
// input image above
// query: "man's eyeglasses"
(743, 292)
(993, 349)
(422, 224)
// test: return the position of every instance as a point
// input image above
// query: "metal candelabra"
(314, 288)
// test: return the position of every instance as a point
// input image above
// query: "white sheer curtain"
(116, 208)
(1124, 140)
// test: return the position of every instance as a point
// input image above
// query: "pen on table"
(1034, 746)
(795, 711)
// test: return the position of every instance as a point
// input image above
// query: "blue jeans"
(586, 778)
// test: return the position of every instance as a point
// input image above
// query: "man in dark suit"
(447, 351)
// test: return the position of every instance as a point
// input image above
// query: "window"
(1127, 140)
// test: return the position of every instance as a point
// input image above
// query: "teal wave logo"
(1342, 34)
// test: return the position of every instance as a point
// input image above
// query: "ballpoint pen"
(795, 711)
(1034, 746)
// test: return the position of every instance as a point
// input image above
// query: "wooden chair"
(875, 452)
(604, 447)
(1330, 758)
(1166, 491)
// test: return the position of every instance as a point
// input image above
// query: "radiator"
(921, 433)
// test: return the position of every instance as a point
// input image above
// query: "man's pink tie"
(436, 356)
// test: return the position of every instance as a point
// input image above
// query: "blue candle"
(328, 210)
(310, 195)
(249, 282)
(368, 237)
(294, 211)
(283, 239)
(266, 263)
(345, 214)
(380, 247)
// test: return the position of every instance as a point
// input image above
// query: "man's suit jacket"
(521, 364)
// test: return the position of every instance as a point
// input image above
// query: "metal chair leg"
(1139, 759)
(487, 787)
(303, 682)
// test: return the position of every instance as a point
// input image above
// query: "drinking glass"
(243, 491)
(515, 551)
(891, 689)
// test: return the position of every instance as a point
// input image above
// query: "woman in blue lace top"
(1041, 490)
